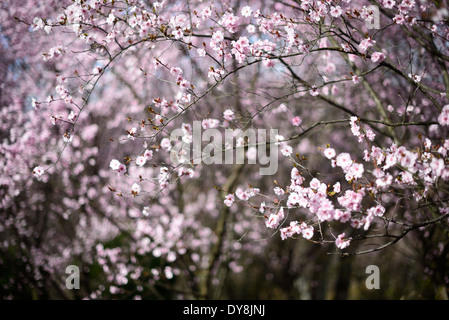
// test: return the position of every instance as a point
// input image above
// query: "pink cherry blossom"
(315, 183)
(341, 242)
(443, 118)
(337, 187)
(388, 4)
(329, 153)
(377, 56)
(344, 160)
(307, 233)
(272, 221)
(114, 164)
(296, 121)
(121, 169)
(336, 11)
(365, 44)
(286, 150)
(342, 216)
(136, 188)
(141, 160)
(148, 155)
(38, 171)
(278, 191)
(295, 174)
(229, 199)
(246, 11)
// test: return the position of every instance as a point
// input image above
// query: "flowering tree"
(94, 90)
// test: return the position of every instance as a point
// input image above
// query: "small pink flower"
(251, 28)
(230, 22)
(268, 62)
(341, 243)
(38, 23)
(314, 92)
(132, 133)
(279, 191)
(35, 104)
(166, 144)
(209, 123)
(377, 57)
(342, 216)
(293, 198)
(96, 70)
(177, 33)
(114, 164)
(141, 160)
(416, 78)
(296, 121)
(315, 183)
(388, 4)
(176, 71)
(307, 233)
(184, 84)
(201, 52)
(272, 221)
(148, 155)
(344, 160)
(241, 194)
(329, 153)
(370, 135)
(443, 118)
(246, 11)
(346, 47)
(285, 233)
(121, 169)
(365, 44)
(228, 115)
(399, 19)
(356, 170)
(71, 117)
(38, 172)
(376, 211)
(136, 189)
(229, 199)
(336, 11)
(337, 187)
(295, 174)
(286, 150)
